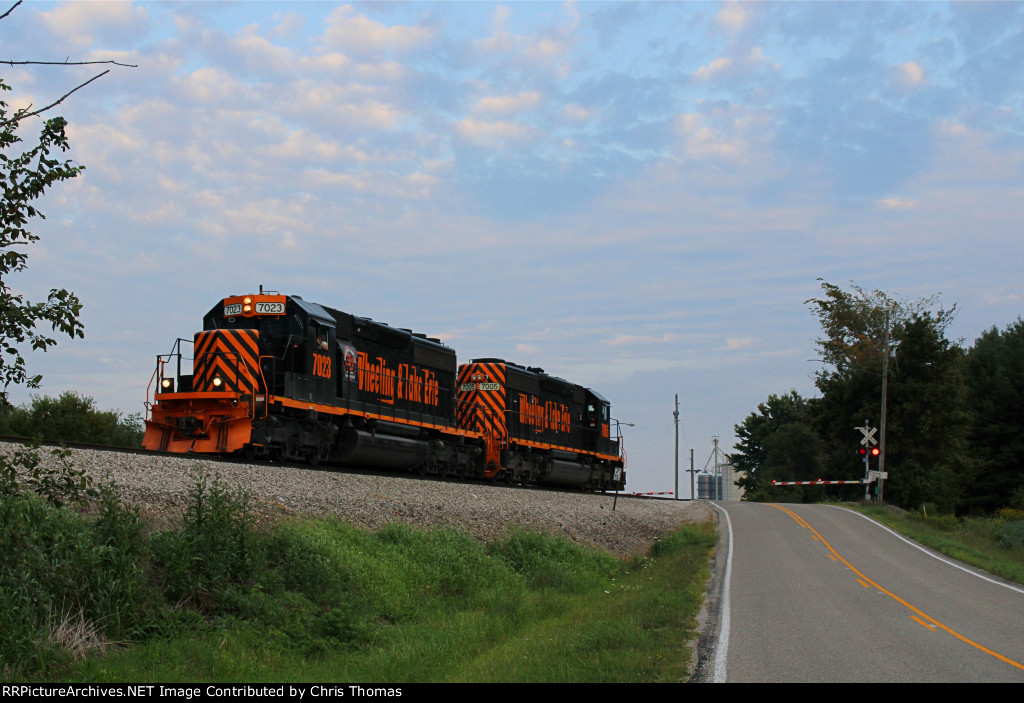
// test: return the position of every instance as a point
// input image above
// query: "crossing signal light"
(875, 451)
(862, 452)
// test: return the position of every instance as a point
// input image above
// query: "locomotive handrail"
(149, 385)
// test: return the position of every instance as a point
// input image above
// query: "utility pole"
(715, 473)
(676, 416)
(692, 472)
(881, 439)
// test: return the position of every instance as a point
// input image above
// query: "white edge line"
(722, 646)
(932, 554)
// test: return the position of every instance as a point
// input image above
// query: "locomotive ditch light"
(217, 381)
(167, 384)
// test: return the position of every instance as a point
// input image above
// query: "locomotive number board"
(467, 387)
(260, 308)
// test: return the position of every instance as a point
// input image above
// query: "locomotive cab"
(213, 408)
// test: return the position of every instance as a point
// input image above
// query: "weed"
(59, 483)
(215, 545)
(1011, 535)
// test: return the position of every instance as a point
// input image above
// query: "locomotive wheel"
(428, 467)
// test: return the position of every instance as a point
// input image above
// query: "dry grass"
(74, 634)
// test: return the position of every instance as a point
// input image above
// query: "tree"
(926, 454)
(24, 178)
(928, 418)
(994, 369)
(777, 443)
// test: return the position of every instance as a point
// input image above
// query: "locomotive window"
(321, 334)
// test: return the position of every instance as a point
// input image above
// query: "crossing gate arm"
(822, 483)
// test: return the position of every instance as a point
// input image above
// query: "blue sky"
(638, 197)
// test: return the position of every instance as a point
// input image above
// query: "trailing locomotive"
(278, 377)
(546, 430)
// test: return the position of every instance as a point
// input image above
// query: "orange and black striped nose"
(226, 360)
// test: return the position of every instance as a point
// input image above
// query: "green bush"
(67, 582)
(555, 562)
(214, 547)
(58, 484)
(1011, 535)
(71, 418)
(933, 517)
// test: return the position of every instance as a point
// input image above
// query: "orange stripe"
(541, 445)
(335, 410)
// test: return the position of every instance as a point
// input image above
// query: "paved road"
(818, 593)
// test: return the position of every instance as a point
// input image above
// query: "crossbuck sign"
(869, 435)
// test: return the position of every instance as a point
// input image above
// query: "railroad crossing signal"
(869, 435)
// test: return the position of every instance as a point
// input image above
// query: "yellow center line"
(924, 617)
(928, 625)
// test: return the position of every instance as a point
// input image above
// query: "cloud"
(508, 104)
(87, 23)
(896, 204)
(718, 66)
(484, 132)
(743, 67)
(304, 146)
(909, 75)
(631, 339)
(544, 50)
(290, 25)
(353, 33)
(574, 112)
(723, 132)
(733, 16)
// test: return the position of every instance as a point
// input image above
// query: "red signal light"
(875, 451)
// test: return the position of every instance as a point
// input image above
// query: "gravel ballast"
(159, 487)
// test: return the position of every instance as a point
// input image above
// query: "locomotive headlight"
(217, 382)
(247, 300)
(248, 304)
(167, 384)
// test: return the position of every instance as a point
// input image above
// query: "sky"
(637, 197)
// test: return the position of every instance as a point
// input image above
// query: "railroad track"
(330, 468)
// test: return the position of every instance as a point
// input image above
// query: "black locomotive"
(280, 377)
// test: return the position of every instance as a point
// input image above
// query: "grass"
(93, 596)
(990, 543)
(406, 605)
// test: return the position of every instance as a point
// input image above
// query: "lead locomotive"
(276, 376)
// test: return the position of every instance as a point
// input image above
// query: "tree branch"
(65, 62)
(22, 115)
(11, 10)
